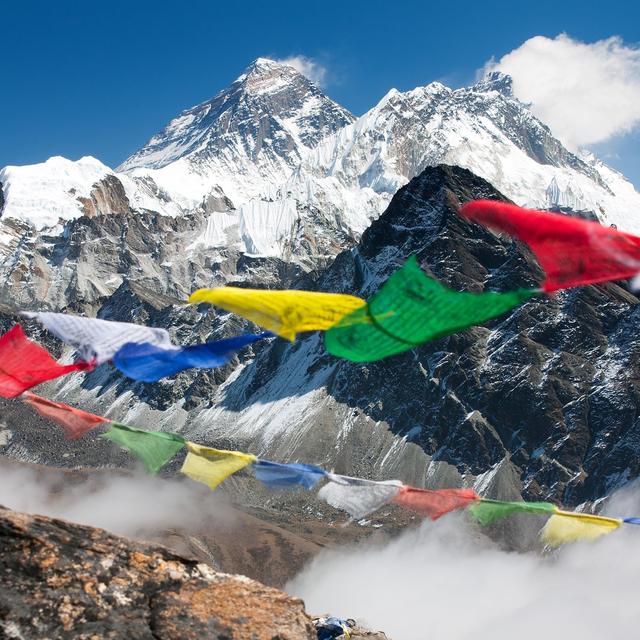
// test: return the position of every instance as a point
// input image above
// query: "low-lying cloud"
(442, 581)
(308, 67)
(586, 92)
(134, 505)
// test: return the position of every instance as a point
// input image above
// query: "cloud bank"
(444, 581)
(131, 505)
(586, 93)
(308, 67)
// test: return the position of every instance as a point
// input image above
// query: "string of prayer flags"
(24, 364)
(277, 475)
(572, 251)
(411, 309)
(74, 422)
(356, 496)
(97, 339)
(153, 448)
(488, 511)
(569, 526)
(434, 503)
(285, 313)
(149, 362)
(212, 466)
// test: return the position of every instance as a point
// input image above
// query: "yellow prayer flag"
(283, 312)
(212, 466)
(568, 526)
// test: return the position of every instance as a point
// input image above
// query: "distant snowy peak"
(482, 128)
(272, 163)
(44, 195)
(496, 81)
(270, 110)
(244, 143)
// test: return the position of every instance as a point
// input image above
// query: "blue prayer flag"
(274, 474)
(150, 363)
(632, 520)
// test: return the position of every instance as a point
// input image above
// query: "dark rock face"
(552, 386)
(107, 196)
(59, 580)
(85, 266)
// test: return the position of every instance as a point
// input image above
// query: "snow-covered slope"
(482, 128)
(273, 137)
(50, 193)
(272, 167)
(252, 134)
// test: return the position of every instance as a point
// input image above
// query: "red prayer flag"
(435, 502)
(572, 251)
(24, 364)
(75, 422)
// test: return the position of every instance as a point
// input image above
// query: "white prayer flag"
(356, 496)
(99, 339)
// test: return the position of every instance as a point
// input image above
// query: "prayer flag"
(99, 339)
(283, 312)
(488, 511)
(75, 422)
(411, 309)
(356, 496)
(212, 466)
(277, 475)
(434, 503)
(149, 363)
(631, 521)
(153, 448)
(569, 526)
(572, 251)
(24, 364)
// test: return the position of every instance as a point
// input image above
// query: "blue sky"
(89, 78)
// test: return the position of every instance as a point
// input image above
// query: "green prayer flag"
(488, 511)
(154, 448)
(410, 309)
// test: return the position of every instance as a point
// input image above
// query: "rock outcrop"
(60, 580)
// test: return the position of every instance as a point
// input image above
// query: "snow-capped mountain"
(272, 167)
(482, 128)
(254, 131)
(47, 195)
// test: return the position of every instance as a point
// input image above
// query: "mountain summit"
(253, 132)
(272, 167)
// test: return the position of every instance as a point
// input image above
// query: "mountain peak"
(267, 117)
(496, 81)
(265, 62)
(264, 73)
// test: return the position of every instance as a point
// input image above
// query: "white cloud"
(123, 503)
(308, 67)
(444, 580)
(586, 93)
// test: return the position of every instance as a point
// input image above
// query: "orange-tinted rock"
(62, 580)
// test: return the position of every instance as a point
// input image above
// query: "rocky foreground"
(63, 580)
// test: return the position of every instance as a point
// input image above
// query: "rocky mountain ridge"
(62, 580)
(538, 403)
